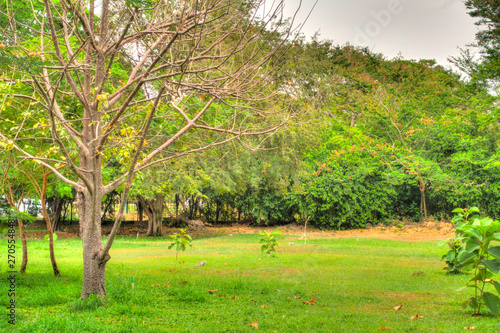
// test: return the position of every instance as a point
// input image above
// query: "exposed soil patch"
(407, 231)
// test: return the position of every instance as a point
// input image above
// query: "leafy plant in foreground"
(455, 257)
(268, 241)
(180, 242)
(476, 234)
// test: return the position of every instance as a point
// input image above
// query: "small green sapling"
(180, 242)
(268, 241)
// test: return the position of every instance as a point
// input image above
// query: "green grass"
(356, 285)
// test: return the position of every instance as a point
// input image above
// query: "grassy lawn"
(355, 283)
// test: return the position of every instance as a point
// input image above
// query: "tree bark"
(423, 206)
(55, 269)
(176, 205)
(182, 203)
(217, 211)
(90, 229)
(57, 207)
(154, 211)
(140, 210)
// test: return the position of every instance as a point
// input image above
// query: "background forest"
(369, 140)
(377, 139)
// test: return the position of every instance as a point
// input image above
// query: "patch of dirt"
(405, 231)
(401, 296)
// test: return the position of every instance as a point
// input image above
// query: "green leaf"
(486, 222)
(450, 255)
(473, 210)
(471, 245)
(497, 286)
(495, 237)
(495, 251)
(465, 256)
(473, 303)
(495, 227)
(492, 265)
(492, 302)
(457, 210)
(441, 243)
(263, 248)
(473, 233)
(54, 237)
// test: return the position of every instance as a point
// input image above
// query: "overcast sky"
(418, 29)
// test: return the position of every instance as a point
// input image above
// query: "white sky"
(418, 29)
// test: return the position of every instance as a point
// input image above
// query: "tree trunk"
(217, 212)
(90, 229)
(154, 211)
(423, 206)
(195, 213)
(176, 205)
(55, 269)
(140, 210)
(191, 207)
(182, 203)
(55, 219)
(65, 210)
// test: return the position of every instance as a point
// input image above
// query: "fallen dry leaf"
(397, 308)
(254, 324)
(222, 295)
(260, 292)
(311, 302)
(470, 328)
(235, 297)
(264, 306)
(278, 290)
(212, 291)
(417, 316)
(183, 282)
(383, 328)
(166, 286)
(225, 264)
(297, 297)
(154, 285)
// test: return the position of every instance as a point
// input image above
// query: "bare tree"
(138, 83)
